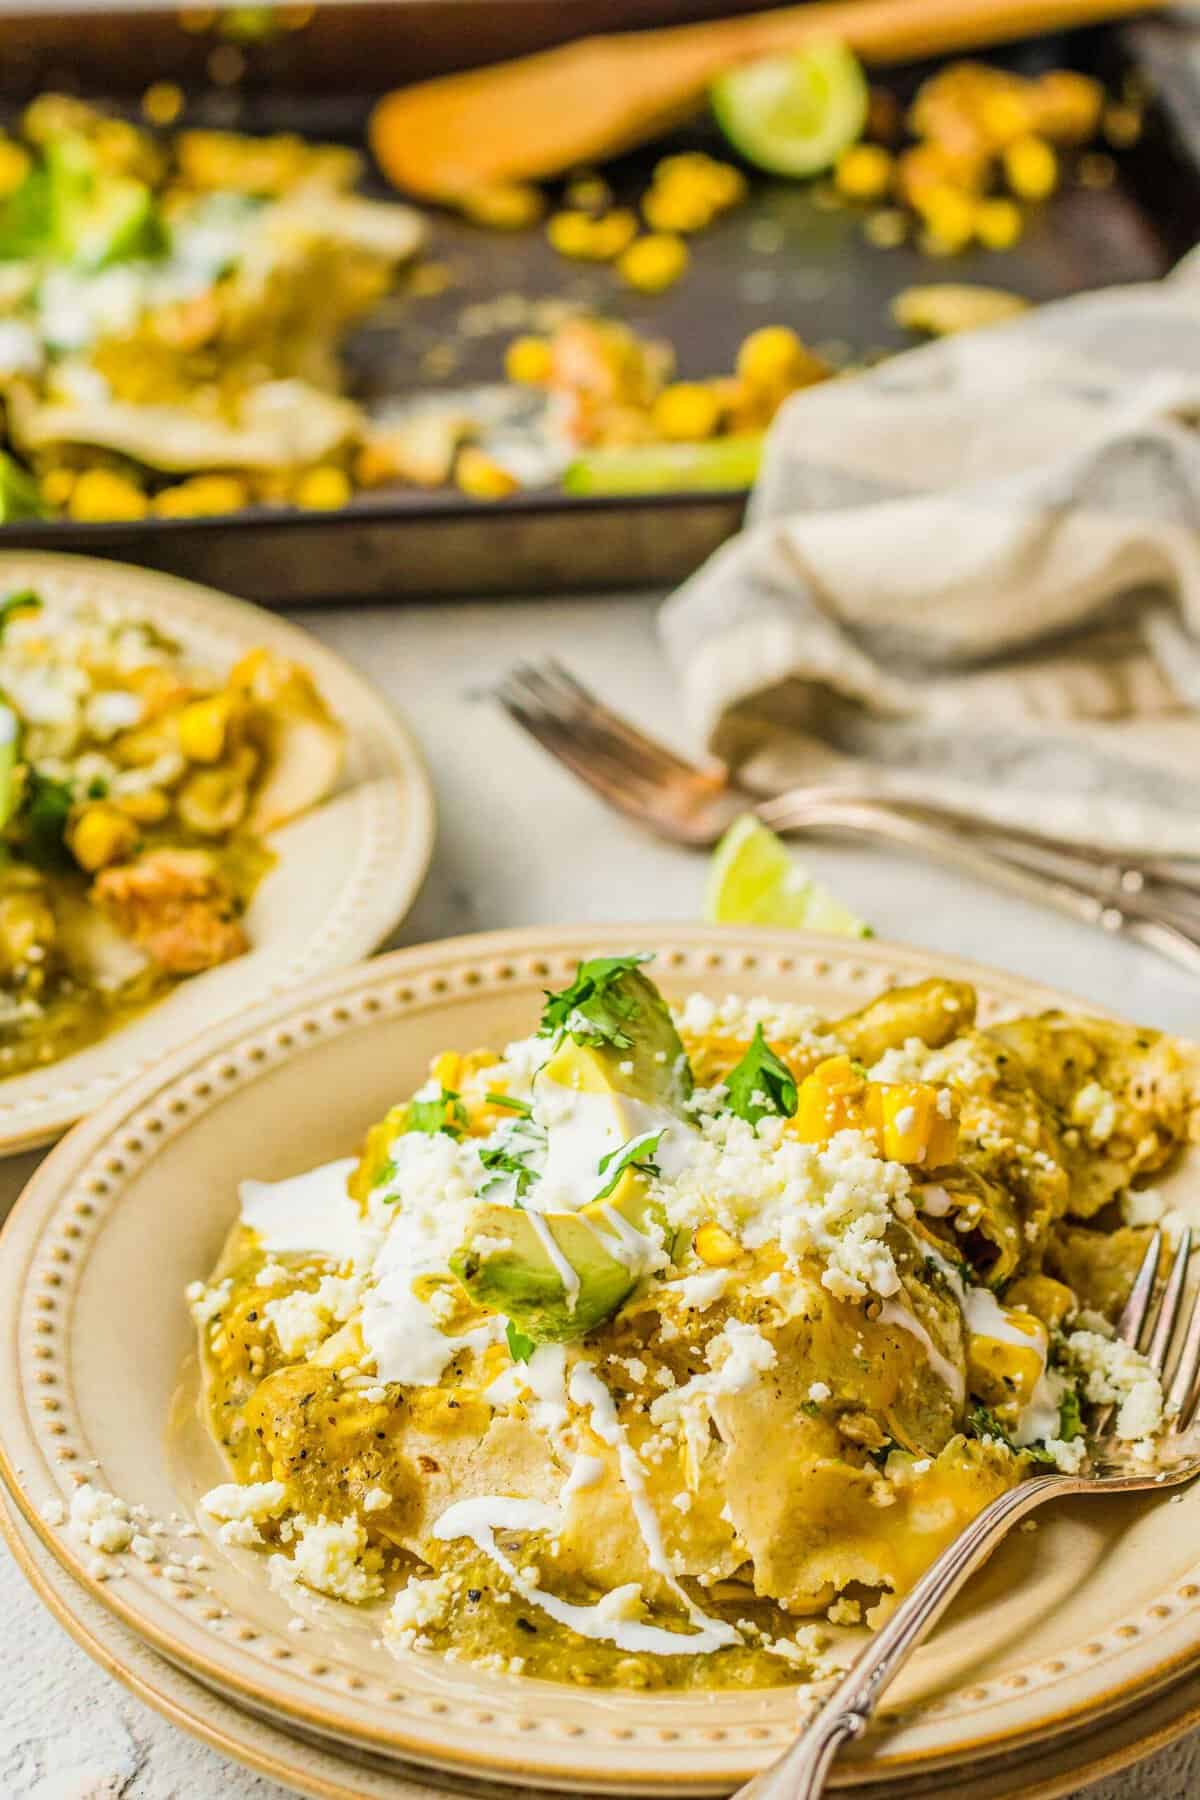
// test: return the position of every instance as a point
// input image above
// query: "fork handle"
(801, 1772)
(1086, 900)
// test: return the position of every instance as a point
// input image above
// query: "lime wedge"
(793, 115)
(753, 881)
(730, 462)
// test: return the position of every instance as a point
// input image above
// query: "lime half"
(794, 115)
(753, 881)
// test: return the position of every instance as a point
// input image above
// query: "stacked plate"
(1072, 1653)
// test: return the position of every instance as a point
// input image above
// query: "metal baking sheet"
(779, 259)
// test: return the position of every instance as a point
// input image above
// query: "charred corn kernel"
(14, 166)
(100, 835)
(374, 465)
(909, 1124)
(148, 807)
(507, 206)
(57, 486)
(162, 103)
(1031, 168)
(864, 172)
(588, 193)
(998, 223)
(1005, 1368)
(686, 412)
(528, 361)
(201, 495)
(101, 495)
(1122, 125)
(203, 727)
(1053, 1302)
(654, 262)
(1067, 106)
(323, 489)
(479, 475)
(674, 207)
(714, 1246)
(829, 1100)
(949, 216)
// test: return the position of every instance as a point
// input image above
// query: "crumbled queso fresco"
(543, 1368)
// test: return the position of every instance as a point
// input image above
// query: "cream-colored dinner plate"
(1099, 1607)
(347, 872)
(323, 1774)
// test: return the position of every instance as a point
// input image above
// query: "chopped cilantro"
(42, 821)
(23, 601)
(507, 1162)
(594, 1010)
(1070, 1415)
(636, 1154)
(511, 1103)
(447, 1113)
(761, 1084)
(520, 1347)
(386, 1173)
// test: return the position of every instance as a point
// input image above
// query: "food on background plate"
(171, 309)
(647, 1349)
(138, 793)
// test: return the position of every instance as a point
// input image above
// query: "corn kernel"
(1031, 168)
(949, 216)
(1122, 126)
(687, 412)
(579, 235)
(676, 208)
(373, 465)
(908, 1125)
(323, 489)
(506, 206)
(829, 1100)
(654, 262)
(201, 495)
(1002, 1370)
(101, 495)
(864, 172)
(998, 223)
(588, 193)
(14, 166)
(57, 486)
(886, 227)
(481, 477)
(202, 728)
(714, 1246)
(100, 835)
(447, 1069)
(773, 360)
(1006, 113)
(162, 103)
(528, 361)
(149, 806)
(1067, 106)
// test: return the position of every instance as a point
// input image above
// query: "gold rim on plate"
(1067, 1626)
(347, 872)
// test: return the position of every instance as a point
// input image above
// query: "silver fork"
(1149, 901)
(801, 1772)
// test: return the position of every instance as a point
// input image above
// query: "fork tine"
(1133, 1318)
(616, 788)
(586, 737)
(1182, 1391)
(556, 688)
(1168, 1313)
(574, 749)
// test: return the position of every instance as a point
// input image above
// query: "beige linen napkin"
(973, 575)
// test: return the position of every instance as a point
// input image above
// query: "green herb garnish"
(1070, 1416)
(23, 601)
(636, 1154)
(41, 824)
(761, 1085)
(513, 1105)
(594, 1010)
(520, 1347)
(445, 1114)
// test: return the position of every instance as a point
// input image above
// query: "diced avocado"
(616, 1034)
(96, 217)
(19, 494)
(505, 1265)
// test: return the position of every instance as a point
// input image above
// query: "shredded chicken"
(177, 905)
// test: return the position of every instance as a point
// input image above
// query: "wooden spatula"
(564, 108)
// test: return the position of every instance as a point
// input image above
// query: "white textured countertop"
(520, 844)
